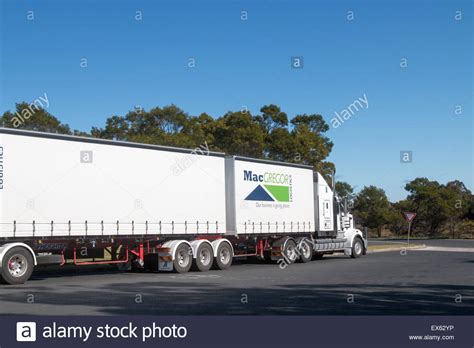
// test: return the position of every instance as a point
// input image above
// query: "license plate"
(165, 265)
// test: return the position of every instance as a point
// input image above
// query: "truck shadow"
(169, 297)
(47, 272)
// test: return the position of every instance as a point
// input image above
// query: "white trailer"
(67, 199)
(265, 197)
(289, 209)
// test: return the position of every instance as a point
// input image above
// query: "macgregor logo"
(272, 186)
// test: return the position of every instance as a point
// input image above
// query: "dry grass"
(394, 246)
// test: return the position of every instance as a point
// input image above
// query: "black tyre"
(204, 258)
(289, 251)
(126, 266)
(132, 265)
(17, 266)
(223, 260)
(318, 256)
(305, 251)
(357, 248)
(183, 258)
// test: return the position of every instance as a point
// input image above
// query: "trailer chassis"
(177, 253)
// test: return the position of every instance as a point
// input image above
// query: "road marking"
(451, 249)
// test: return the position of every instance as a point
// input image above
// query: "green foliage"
(169, 126)
(238, 133)
(458, 199)
(428, 203)
(267, 135)
(271, 118)
(280, 145)
(372, 208)
(465, 229)
(308, 131)
(438, 207)
(33, 117)
(345, 192)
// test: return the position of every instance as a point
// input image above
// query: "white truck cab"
(335, 225)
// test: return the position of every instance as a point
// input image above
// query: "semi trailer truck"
(83, 201)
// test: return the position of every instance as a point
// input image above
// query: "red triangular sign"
(409, 216)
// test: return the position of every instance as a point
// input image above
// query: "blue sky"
(248, 63)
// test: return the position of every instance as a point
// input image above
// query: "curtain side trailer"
(82, 201)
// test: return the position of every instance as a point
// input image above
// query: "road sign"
(409, 216)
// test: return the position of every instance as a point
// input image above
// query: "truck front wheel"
(357, 248)
(17, 266)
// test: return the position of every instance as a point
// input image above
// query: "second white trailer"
(268, 197)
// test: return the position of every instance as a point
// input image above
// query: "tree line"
(442, 210)
(271, 134)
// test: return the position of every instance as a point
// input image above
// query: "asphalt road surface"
(418, 282)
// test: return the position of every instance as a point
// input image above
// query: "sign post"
(409, 217)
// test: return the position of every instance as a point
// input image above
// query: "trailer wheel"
(118, 253)
(223, 260)
(305, 251)
(17, 266)
(132, 265)
(204, 258)
(183, 258)
(357, 248)
(289, 251)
